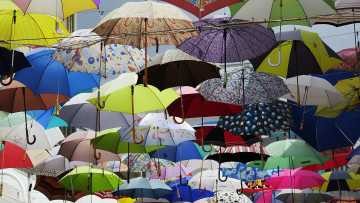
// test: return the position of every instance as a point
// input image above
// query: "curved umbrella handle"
(11, 79)
(183, 184)
(226, 177)
(98, 100)
(203, 148)
(97, 157)
(279, 61)
(182, 121)
(239, 193)
(134, 137)
(28, 140)
(202, 192)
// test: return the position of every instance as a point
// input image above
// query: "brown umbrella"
(77, 147)
(50, 187)
(17, 97)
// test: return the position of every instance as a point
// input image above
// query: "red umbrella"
(12, 156)
(338, 160)
(191, 105)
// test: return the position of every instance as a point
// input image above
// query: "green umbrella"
(12, 119)
(90, 180)
(287, 162)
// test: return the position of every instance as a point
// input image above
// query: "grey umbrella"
(303, 196)
(80, 113)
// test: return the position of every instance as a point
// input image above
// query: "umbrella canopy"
(19, 62)
(202, 8)
(194, 105)
(160, 17)
(243, 157)
(277, 10)
(142, 187)
(244, 87)
(14, 94)
(48, 76)
(83, 52)
(349, 88)
(339, 180)
(143, 162)
(303, 196)
(177, 68)
(338, 160)
(90, 180)
(50, 187)
(313, 91)
(260, 119)
(12, 119)
(229, 196)
(186, 194)
(296, 179)
(349, 56)
(326, 133)
(172, 172)
(36, 29)
(61, 9)
(158, 130)
(266, 196)
(47, 118)
(42, 139)
(302, 53)
(78, 112)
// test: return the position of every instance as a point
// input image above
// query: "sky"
(338, 38)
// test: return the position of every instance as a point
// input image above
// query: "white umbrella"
(313, 91)
(158, 130)
(43, 139)
(210, 181)
(303, 196)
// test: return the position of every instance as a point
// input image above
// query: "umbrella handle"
(134, 137)
(240, 193)
(178, 193)
(98, 100)
(183, 184)
(226, 177)
(11, 79)
(279, 60)
(97, 157)
(183, 117)
(202, 192)
(225, 80)
(202, 146)
(57, 28)
(28, 140)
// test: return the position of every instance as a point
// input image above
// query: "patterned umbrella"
(351, 62)
(82, 51)
(244, 87)
(260, 119)
(143, 162)
(233, 44)
(229, 197)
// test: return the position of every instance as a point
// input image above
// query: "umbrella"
(77, 109)
(143, 162)
(10, 64)
(177, 68)
(48, 76)
(12, 119)
(244, 87)
(47, 118)
(201, 8)
(210, 182)
(50, 187)
(62, 9)
(266, 197)
(192, 104)
(185, 193)
(30, 29)
(157, 129)
(260, 119)
(338, 160)
(214, 45)
(152, 200)
(172, 171)
(279, 10)
(82, 52)
(154, 17)
(229, 197)
(90, 180)
(338, 181)
(347, 196)
(296, 179)
(326, 133)
(350, 57)
(349, 88)
(45, 139)
(142, 187)
(313, 91)
(303, 196)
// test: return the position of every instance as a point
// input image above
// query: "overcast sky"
(337, 38)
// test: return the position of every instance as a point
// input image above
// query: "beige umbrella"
(143, 24)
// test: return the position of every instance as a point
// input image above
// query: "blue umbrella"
(327, 133)
(47, 118)
(354, 153)
(333, 76)
(185, 193)
(49, 76)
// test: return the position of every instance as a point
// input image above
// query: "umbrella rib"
(132, 58)
(81, 105)
(342, 132)
(263, 87)
(172, 35)
(39, 28)
(232, 38)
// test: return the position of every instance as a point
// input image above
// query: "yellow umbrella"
(34, 29)
(126, 200)
(350, 89)
(338, 181)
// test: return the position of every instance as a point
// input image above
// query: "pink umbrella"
(295, 179)
(172, 172)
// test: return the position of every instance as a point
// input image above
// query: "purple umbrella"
(242, 42)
